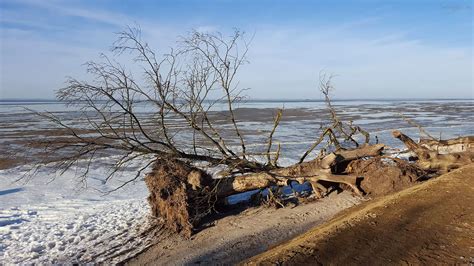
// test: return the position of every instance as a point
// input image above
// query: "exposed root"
(383, 175)
(274, 198)
(180, 194)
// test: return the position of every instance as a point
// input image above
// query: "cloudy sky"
(377, 49)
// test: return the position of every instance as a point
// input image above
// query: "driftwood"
(460, 144)
(431, 159)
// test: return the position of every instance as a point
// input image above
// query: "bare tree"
(181, 88)
(337, 129)
(177, 87)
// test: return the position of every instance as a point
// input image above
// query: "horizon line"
(269, 99)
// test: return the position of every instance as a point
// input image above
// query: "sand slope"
(238, 237)
(431, 223)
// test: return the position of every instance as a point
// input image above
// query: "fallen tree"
(183, 136)
(182, 195)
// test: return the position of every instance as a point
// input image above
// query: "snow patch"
(55, 219)
(72, 231)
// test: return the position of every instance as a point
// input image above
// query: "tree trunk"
(319, 169)
(431, 159)
(460, 144)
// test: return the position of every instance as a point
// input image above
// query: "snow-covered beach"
(54, 220)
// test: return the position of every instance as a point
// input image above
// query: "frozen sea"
(52, 218)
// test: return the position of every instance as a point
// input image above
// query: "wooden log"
(460, 144)
(432, 160)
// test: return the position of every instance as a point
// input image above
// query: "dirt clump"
(382, 176)
(179, 194)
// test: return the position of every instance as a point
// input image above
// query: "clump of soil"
(382, 176)
(179, 194)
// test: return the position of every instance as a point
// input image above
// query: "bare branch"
(413, 123)
(276, 122)
(338, 128)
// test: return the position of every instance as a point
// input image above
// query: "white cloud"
(68, 8)
(288, 61)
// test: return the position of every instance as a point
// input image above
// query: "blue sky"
(377, 49)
